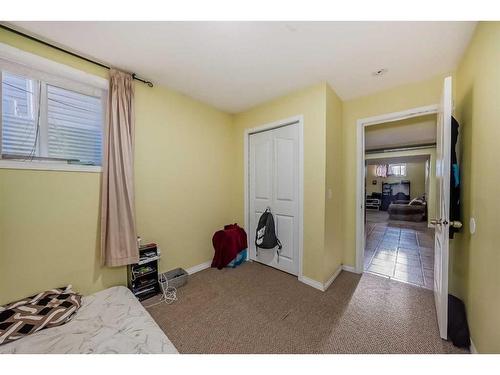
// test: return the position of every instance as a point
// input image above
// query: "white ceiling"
(237, 65)
(415, 131)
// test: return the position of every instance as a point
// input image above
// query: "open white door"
(442, 221)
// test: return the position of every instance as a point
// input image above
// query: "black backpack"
(265, 236)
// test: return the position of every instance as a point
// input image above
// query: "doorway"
(274, 181)
(361, 191)
(398, 242)
(442, 219)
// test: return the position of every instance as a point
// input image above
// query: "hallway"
(399, 250)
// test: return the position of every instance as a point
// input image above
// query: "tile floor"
(400, 250)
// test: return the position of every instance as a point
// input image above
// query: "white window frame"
(389, 169)
(23, 63)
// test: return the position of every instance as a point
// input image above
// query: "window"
(396, 169)
(74, 125)
(46, 118)
(18, 115)
(381, 170)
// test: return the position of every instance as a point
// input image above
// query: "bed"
(109, 321)
(402, 210)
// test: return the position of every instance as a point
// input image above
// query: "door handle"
(436, 221)
(454, 224)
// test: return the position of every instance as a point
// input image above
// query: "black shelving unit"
(386, 196)
(143, 276)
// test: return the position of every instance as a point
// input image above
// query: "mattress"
(405, 209)
(110, 321)
(406, 212)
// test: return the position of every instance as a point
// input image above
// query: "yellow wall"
(311, 103)
(334, 187)
(393, 100)
(49, 220)
(475, 269)
(183, 175)
(49, 233)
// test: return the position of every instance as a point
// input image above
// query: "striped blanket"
(32, 314)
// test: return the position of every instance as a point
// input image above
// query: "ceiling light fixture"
(380, 72)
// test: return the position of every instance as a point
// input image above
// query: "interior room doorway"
(443, 112)
(398, 242)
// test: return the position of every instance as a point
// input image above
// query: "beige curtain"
(118, 235)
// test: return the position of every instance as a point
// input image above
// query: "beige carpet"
(257, 309)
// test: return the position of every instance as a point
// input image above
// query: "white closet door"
(274, 183)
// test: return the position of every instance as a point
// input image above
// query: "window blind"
(74, 125)
(18, 115)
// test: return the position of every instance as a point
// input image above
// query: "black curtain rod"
(134, 76)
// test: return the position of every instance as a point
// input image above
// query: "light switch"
(472, 225)
(330, 193)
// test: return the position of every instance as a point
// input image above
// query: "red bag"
(227, 244)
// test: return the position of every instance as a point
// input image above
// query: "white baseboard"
(306, 280)
(332, 278)
(472, 348)
(320, 286)
(349, 268)
(199, 267)
(315, 284)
